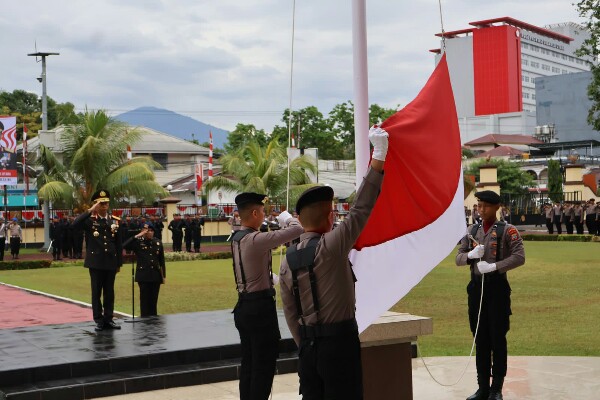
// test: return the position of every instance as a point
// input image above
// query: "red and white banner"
(419, 215)
(210, 157)
(8, 177)
(199, 172)
(8, 140)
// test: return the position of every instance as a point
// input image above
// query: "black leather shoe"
(479, 395)
(495, 395)
(99, 327)
(111, 325)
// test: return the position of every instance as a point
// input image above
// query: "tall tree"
(263, 169)
(94, 156)
(555, 181)
(242, 135)
(510, 176)
(590, 10)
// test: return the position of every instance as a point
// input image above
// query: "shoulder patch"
(513, 233)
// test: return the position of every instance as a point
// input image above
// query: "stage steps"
(117, 376)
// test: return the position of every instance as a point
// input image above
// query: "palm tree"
(264, 170)
(93, 157)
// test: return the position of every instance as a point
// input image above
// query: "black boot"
(484, 389)
(496, 389)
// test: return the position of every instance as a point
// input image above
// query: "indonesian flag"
(419, 216)
(129, 155)
(210, 157)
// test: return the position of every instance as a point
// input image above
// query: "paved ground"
(529, 378)
(19, 308)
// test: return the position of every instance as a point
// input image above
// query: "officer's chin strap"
(472, 346)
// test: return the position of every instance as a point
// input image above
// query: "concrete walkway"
(529, 378)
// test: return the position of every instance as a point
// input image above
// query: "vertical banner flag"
(129, 155)
(25, 176)
(8, 150)
(210, 156)
(199, 172)
(419, 216)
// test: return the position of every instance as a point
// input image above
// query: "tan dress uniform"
(255, 313)
(329, 348)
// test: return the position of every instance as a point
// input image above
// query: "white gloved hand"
(477, 252)
(379, 140)
(484, 267)
(283, 218)
(275, 279)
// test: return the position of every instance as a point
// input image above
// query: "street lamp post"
(46, 206)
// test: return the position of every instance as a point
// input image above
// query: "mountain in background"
(174, 124)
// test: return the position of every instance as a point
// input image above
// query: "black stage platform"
(72, 361)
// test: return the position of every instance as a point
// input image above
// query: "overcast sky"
(223, 61)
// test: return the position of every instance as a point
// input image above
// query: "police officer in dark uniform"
(77, 240)
(491, 249)
(317, 286)
(158, 226)
(57, 234)
(150, 270)
(103, 258)
(197, 233)
(189, 225)
(255, 314)
(176, 228)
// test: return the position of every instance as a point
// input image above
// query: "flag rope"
(287, 202)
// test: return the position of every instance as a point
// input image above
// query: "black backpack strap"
(297, 260)
(500, 228)
(236, 238)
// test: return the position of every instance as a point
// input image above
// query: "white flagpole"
(361, 88)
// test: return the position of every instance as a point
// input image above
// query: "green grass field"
(555, 299)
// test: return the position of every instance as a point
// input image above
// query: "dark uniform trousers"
(177, 240)
(590, 222)
(256, 321)
(2, 245)
(549, 225)
(149, 298)
(15, 245)
(494, 322)
(578, 225)
(103, 281)
(569, 225)
(558, 224)
(334, 360)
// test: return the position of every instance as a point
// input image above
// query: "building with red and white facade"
(493, 65)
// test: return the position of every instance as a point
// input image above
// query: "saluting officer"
(150, 271)
(491, 248)
(317, 286)
(255, 313)
(103, 256)
(176, 228)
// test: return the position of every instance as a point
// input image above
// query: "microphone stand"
(133, 258)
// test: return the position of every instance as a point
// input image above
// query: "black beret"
(314, 195)
(488, 196)
(101, 195)
(243, 199)
(148, 225)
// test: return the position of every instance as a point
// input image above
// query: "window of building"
(535, 64)
(556, 70)
(525, 62)
(571, 58)
(533, 96)
(545, 67)
(564, 57)
(564, 71)
(525, 95)
(525, 45)
(161, 158)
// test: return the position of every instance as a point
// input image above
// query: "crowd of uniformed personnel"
(573, 215)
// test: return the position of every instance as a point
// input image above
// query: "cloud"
(227, 61)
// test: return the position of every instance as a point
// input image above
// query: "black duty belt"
(261, 294)
(328, 330)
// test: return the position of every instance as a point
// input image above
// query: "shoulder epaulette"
(115, 217)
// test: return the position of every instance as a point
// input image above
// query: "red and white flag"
(210, 157)
(199, 173)
(419, 215)
(25, 176)
(8, 140)
(129, 154)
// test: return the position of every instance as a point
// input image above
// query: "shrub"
(15, 265)
(559, 238)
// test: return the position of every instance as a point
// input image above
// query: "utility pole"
(46, 206)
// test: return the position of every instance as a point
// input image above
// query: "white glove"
(484, 267)
(379, 140)
(275, 279)
(283, 218)
(477, 252)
